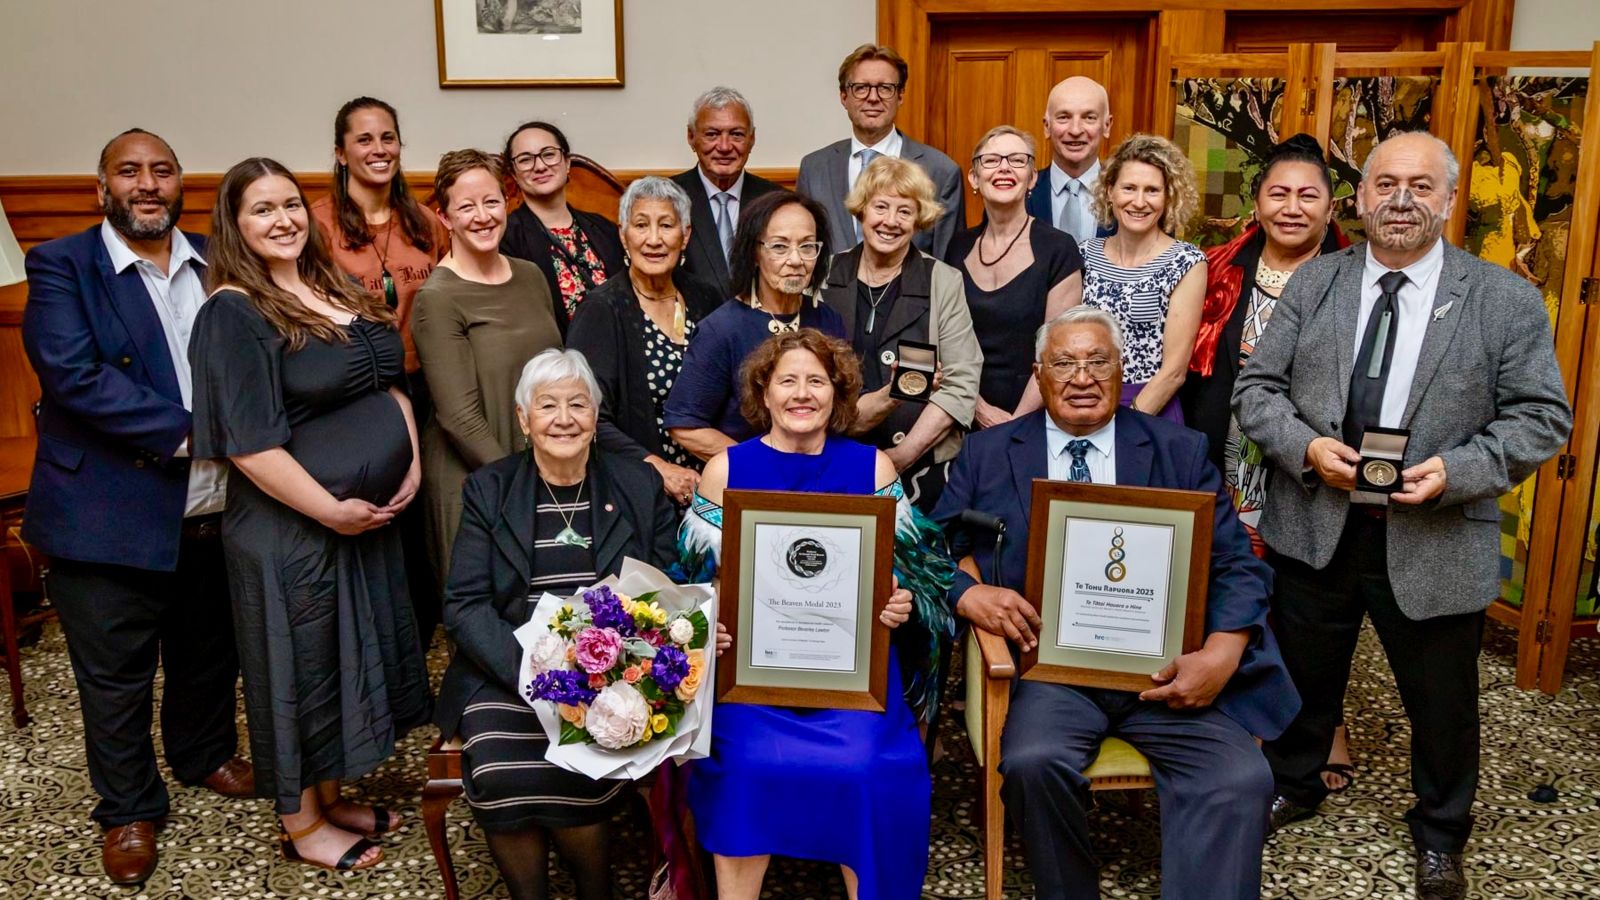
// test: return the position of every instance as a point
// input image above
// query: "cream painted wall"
(1555, 24)
(226, 79)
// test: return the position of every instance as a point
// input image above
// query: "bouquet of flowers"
(616, 677)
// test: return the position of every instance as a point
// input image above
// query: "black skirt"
(508, 783)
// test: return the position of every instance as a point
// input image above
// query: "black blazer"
(908, 319)
(526, 238)
(486, 596)
(609, 331)
(1206, 400)
(704, 256)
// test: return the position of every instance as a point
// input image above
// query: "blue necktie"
(1080, 466)
(724, 222)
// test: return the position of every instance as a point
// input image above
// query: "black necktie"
(1370, 376)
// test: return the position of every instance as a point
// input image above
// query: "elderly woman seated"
(843, 786)
(888, 291)
(554, 520)
(635, 331)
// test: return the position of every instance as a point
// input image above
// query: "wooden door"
(987, 72)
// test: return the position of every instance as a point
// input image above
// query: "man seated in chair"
(1198, 721)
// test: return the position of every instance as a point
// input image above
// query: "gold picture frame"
(529, 43)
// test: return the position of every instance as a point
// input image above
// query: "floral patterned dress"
(575, 281)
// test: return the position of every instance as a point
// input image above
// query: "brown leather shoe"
(129, 854)
(236, 778)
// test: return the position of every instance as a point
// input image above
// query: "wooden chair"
(444, 786)
(990, 671)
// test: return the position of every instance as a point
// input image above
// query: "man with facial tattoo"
(1403, 387)
(129, 522)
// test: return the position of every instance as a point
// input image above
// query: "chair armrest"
(996, 654)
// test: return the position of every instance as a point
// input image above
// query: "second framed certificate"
(1119, 578)
(803, 579)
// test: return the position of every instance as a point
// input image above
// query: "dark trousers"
(1317, 618)
(1214, 788)
(119, 622)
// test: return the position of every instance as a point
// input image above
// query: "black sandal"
(349, 862)
(1343, 770)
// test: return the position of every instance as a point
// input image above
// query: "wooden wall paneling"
(1563, 505)
(1179, 31)
(19, 389)
(1456, 123)
(1485, 21)
(1372, 30)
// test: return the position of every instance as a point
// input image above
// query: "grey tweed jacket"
(1487, 398)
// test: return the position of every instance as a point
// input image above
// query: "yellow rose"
(690, 685)
(573, 714)
(647, 735)
(658, 614)
(658, 722)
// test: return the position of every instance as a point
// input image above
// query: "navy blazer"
(995, 474)
(1038, 203)
(106, 486)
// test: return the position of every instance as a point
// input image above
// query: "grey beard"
(152, 229)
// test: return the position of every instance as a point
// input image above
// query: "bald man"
(1077, 118)
(1401, 332)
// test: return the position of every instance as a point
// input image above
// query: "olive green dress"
(473, 340)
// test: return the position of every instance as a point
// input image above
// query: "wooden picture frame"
(1058, 506)
(529, 43)
(820, 525)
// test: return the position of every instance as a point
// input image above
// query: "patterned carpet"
(213, 848)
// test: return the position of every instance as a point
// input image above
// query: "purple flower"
(561, 686)
(607, 610)
(670, 667)
(597, 649)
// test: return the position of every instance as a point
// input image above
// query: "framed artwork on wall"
(529, 43)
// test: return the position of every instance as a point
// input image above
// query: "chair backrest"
(593, 188)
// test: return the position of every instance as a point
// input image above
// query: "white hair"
(1452, 167)
(721, 97)
(653, 187)
(551, 366)
(1078, 315)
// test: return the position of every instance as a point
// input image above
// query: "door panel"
(993, 71)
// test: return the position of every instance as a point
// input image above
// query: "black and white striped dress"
(508, 783)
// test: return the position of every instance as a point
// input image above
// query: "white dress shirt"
(1101, 458)
(889, 146)
(177, 295)
(733, 193)
(1414, 307)
(1060, 194)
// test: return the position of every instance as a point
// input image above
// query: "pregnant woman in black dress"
(296, 383)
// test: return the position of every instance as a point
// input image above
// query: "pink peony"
(598, 649)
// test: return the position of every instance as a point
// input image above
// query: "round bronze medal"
(913, 383)
(1380, 472)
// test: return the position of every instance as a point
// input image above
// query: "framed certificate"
(803, 579)
(1118, 576)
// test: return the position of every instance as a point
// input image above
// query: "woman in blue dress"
(846, 787)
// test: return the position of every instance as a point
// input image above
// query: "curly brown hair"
(1183, 198)
(837, 359)
(456, 163)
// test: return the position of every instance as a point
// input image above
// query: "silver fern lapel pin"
(1439, 312)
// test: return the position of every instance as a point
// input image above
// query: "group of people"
(234, 431)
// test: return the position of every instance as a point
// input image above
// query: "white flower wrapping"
(617, 718)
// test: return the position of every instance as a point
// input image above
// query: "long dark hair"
(231, 262)
(353, 230)
(743, 265)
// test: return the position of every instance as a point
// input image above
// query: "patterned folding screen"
(1225, 126)
(1523, 177)
(1365, 111)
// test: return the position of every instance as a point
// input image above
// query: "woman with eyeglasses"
(889, 292)
(782, 236)
(1019, 274)
(576, 250)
